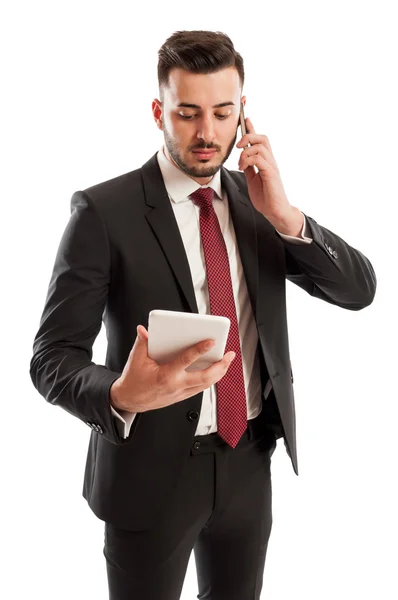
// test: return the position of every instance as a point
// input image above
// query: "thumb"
(140, 346)
(142, 333)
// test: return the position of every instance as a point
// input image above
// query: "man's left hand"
(265, 187)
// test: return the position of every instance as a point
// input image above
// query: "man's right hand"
(146, 385)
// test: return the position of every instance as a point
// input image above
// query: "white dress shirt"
(179, 186)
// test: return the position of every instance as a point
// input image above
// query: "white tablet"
(171, 332)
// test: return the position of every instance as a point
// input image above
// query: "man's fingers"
(189, 356)
(210, 374)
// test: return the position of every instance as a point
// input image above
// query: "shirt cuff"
(305, 235)
(124, 419)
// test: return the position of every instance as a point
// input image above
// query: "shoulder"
(110, 195)
(116, 186)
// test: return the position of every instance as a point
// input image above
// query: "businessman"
(178, 460)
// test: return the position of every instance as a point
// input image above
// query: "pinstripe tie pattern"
(231, 395)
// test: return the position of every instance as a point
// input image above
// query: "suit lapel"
(242, 216)
(161, 219)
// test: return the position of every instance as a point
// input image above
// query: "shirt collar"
(178, 184)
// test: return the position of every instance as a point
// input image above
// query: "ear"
(157, 112)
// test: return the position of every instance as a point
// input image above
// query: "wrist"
(114, 396)
(120, 400)
(290, 223)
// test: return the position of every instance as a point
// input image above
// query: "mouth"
(204, 153)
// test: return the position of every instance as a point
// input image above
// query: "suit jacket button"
(196, 445)
(89, 424)
(193, 415)
(100, 430)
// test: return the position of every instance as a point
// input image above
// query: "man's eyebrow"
(188, 105)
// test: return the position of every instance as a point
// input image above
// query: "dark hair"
(198, 52)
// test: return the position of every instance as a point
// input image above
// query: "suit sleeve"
(61, 368)
(330, 269)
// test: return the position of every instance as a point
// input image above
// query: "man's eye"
(190, 117)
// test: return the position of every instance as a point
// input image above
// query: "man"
(180, 460)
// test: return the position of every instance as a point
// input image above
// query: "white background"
(78, 82)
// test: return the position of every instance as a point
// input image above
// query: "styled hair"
(198, 52)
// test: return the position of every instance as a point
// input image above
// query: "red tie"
(231, 395)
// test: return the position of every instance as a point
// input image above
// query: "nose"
(206, 130)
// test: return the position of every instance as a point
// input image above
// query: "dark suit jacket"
(121, 255)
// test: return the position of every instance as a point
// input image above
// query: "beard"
(200, 169)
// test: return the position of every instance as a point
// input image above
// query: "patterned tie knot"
(203, 197)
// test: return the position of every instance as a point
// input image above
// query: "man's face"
(203, 126)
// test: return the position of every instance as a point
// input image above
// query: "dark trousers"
(221, 508)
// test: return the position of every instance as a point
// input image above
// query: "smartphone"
(242, 121)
